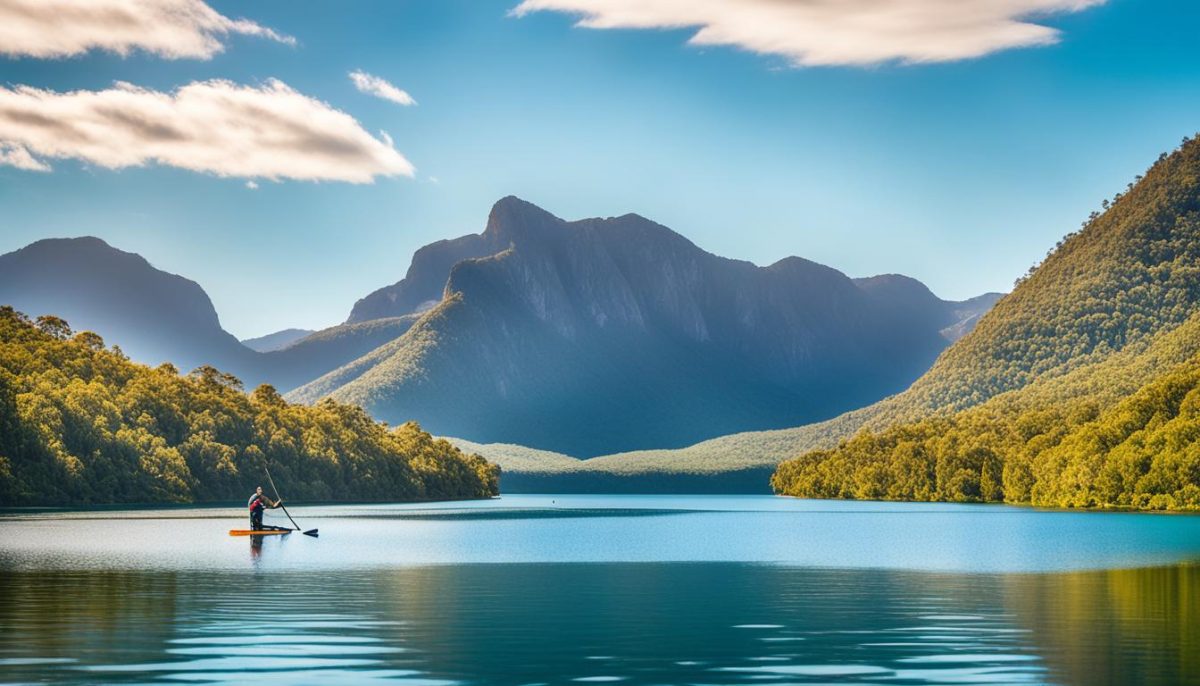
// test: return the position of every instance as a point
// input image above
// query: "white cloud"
(834, 32)
(168, 28)
(373, 85)
(13, 155)
(217, 127)
(252, 185)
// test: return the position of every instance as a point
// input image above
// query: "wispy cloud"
(834, 32)
(373, 85)
(12, 155)
(168, 28)
(217, 127)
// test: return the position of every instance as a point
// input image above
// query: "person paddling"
(259, 502)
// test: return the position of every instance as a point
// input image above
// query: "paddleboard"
(261, 532)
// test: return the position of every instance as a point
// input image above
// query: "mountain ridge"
(276, 340)
(624, 300)
(631, 306)
(1141, 294)
(156, 316)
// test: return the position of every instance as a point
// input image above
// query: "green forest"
(1142, 453)
(1080, 389)
(82, 424)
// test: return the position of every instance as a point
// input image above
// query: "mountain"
(1109, 314)
(966, 315)
(1079, 389)
(276, 341)
(159, 317)
(601, 335)
(586, 337)
(154, 316)
(422, 287)
(328, 349)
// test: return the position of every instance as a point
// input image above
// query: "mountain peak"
(87, 241)
(579, 337)
(898, 284)
(81, 252)
(793, 262)
(512, 213)
(77, 243)
(154, 315)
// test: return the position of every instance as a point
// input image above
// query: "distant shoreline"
(34, 509)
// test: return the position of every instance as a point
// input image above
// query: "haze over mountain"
(277, 340)
(159, 317)
(154, 316)
(607, 334)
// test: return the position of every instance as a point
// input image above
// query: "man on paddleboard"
(259, 502)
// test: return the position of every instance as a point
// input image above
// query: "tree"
(55, 327)
(81, 424)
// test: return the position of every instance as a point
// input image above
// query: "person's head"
(258, 491)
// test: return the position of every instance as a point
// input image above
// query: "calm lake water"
(623, 589)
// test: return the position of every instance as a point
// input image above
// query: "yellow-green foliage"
(82, 424)
(1129, 274)
(1143, 453)
(1080, 389)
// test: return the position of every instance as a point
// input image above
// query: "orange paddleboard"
(262, 532)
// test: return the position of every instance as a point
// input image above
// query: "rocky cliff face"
(421, 288)
(603, 335)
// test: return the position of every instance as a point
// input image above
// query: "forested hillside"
(80, 423)
(1131, 272)
(1080, 389)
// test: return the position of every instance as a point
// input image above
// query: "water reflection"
(701, 623)
(652, 529)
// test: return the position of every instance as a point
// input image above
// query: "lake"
(530, 589)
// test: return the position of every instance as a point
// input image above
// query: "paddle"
(279, 498)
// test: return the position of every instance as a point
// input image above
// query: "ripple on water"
(811, 670)
(324, 677)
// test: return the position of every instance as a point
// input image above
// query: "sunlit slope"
(312, 356)
(1132, 272)
(1121, 433)
(1078, 389)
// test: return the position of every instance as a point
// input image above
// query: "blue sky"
(960, 172)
